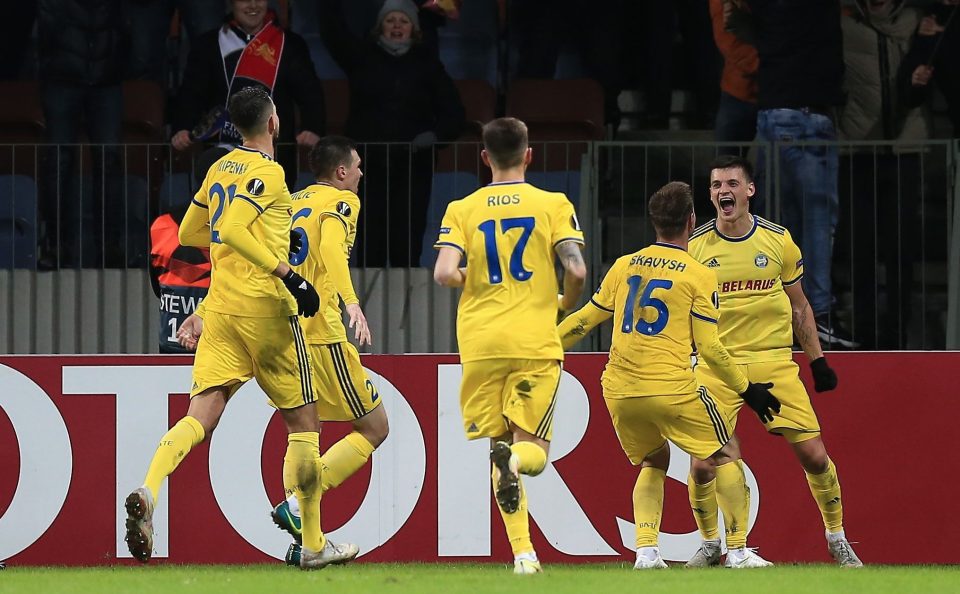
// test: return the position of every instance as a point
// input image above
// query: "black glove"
(824, 378)
(296, 244)
(759, 398)
(308, 302)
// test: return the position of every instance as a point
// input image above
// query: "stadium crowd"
(801, 71)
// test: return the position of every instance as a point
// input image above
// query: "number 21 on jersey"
(223, 198)
(635, 286)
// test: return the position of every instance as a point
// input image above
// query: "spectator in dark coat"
(250, 49)
(886, 85)
(81, 49)
(399, 93)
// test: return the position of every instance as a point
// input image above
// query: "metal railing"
(74, 224)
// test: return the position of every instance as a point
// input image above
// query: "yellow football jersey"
(756, 321)
(508, 232)
(653, 295)
(311, 206)
(238, 286)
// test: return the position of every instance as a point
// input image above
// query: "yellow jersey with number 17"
(312, 206)
(237, 285)
(507, 233)
(654, 294)
(757, 320)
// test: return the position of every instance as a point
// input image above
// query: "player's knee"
(659, 458)
(703, 471)
(374, 427)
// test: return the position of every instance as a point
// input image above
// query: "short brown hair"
(329, 153)
(505, 140)
(670, 208)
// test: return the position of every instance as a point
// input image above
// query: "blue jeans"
(806, 183)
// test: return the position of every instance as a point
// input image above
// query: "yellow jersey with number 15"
(757, 320)
(312, 206)
(507, 233)
(654, 294)
(237, 285)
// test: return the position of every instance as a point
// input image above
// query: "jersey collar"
(736, 239)
(253, 150)
(507, 183)
(669, 245)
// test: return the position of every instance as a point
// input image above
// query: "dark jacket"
(81, 42)
(800, 46)
(392, 98)
(881, 102)
(205, 86)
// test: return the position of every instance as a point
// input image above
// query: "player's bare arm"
(575, 272)
(804, 325)
(578, 324)
(447, 271)
(805, 331)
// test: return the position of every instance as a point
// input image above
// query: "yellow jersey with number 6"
(507, 232)
(238, 286)
(654, 294)
(312, 205)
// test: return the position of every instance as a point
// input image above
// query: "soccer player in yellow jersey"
(242, 211)
(325, 218)
(509, 233)
(661, 301)
(758, 268)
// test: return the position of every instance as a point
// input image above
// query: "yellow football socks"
(648, 505)
(530, 457)
(703, 502)
(517, 523)
(825, 488)
(343, 459)
(174, 446)
(301, 477)
(733, 497)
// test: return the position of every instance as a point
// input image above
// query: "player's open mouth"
(727, 204)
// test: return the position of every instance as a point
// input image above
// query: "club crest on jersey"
(761, 260)
(343, 208)
(255, 187)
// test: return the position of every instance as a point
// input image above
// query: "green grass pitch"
(456, 578)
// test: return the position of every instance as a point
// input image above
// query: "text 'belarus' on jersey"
(311, 206)
(238, 286)
(756, 319)
(508, 233)
(654, 295)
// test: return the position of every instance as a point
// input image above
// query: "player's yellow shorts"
(344, 392)
(796, 420)
(234, 349)
(494, 392)
(692, 421)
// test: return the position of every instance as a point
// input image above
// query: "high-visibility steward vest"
(184, 277)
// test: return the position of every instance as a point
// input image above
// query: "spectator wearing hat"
(399, 93)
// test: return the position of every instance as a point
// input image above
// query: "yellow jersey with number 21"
(237, 285)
